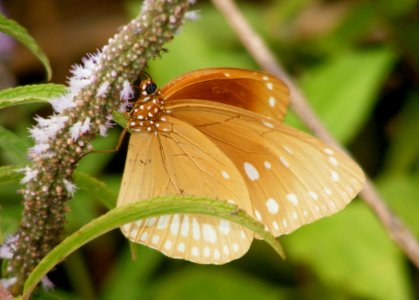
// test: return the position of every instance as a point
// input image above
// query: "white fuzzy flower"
(29, 174)
(80, 72)
(76, 84)
(103, 88)
(75, 130)
(126, 92)
(69, 186)
(39, 135)
(47, 128)
(38, 149)
(47, 283)
(7, 282)
(103, 130)
(79, 128)
(193, 15)
(86, 125)
(91, 60)
(63, 102)
(6, 248)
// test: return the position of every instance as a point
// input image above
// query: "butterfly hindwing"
(255, 91)
(182, 161)
(293, 178)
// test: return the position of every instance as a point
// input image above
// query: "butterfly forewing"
(255, 91)
(292, 178)
(182, 161)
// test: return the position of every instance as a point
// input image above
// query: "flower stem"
(96, 90)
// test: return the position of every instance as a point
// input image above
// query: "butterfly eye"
(150, 88)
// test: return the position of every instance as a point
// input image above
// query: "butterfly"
(219, 133)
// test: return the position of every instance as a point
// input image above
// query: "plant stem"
(82, 114)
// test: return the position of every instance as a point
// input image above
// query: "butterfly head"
(146, 114)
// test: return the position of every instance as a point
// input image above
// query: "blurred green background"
(358, 63)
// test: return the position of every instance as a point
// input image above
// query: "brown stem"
(266, 60)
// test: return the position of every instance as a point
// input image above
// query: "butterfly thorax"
(146, 114)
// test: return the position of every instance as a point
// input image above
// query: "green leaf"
(343, 90)
(13, 29)
(30, 94)
(140, 210)
(78, 274)
(135, 274)
(352, 251)
(220, 284)
(119, 118)
(403, 29)
(403, 152)
(13, 145)
(9, 174)
(401, 193)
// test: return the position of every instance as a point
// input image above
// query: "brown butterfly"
(218, 133)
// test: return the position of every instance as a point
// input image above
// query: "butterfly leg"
(118, 145)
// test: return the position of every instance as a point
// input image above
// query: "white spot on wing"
(184, 229)
(209, 233)
(335, 176)
(168, 245)
(133, 234)
(224, 226)
(216, 254)
(181, 247)
(333, 161)
(258, 215)
(144, 236)
(292, 198)
(287, 149)
(155, 239)
(270, 86)
(162, 223)
(196, 233)
(313, 195)
(267, 124)
(284, 161)
(272, 205)
(235, 247)
(150, 222)
(174, 226)
(272, 101)
(251, 171)
(267, 165)
(328, 151)
(226, 250)
(225, 174)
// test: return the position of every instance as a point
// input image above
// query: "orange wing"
(255, 91)
(292, 177)
(182, 161)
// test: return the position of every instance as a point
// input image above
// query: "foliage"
(347, 69)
